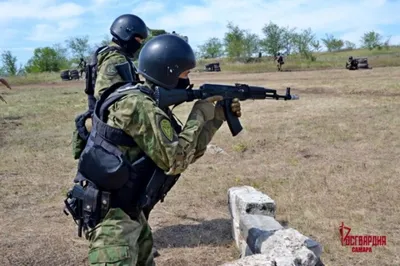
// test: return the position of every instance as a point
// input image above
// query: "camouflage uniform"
(279, 60)
(82, 67)
(107, 74)
(118, 240)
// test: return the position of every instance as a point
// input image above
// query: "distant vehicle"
(363, 63)
(357, 63)
(72, 74)
(213, 67)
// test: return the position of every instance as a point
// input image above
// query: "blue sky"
(27, 24)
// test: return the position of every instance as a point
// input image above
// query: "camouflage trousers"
(120, 241)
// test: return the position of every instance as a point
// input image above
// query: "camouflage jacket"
(138, 115)
(107, 74)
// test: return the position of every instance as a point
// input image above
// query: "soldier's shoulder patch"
(166, 128)
(110, 69)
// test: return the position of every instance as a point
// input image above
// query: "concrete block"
(261, 239)
(267, 260)
(257, 228)
(291, 245)
(236, 233)
(255, 260)
(314, 246)
(244, 249)
(247, 200)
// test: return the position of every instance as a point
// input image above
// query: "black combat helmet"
(164, 58)
(125, 28)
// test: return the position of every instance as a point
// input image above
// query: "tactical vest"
(106, 178)
(81, 134)
(91, 72)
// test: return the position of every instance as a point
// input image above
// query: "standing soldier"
(113, 63)
(279, 60)
(82, 67)
(134, 150)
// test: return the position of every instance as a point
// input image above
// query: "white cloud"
(150, 7)
(29, 49)
(394, 39)
(38, 9)
(58, 19)
(53, 32)
(209, 19)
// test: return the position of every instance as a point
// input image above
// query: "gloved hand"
(206, 107)
(235, 108)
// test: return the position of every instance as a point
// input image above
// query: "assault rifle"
(166, 97)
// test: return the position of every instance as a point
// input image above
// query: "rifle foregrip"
(232, 120)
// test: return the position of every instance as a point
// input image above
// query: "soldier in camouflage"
(115, 65)
(82, 67)
(165, 61)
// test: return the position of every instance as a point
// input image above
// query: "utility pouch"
(106, 169)
(87, 205)
(78, 144)
(80, 134)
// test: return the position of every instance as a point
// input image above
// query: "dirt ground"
(330, 157)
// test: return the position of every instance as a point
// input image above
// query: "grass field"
(324, 60)
(328, 158)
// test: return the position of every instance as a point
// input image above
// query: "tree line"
(237, 44)
(58, 56)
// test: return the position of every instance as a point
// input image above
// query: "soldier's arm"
(151, 129)
(212, 126)
(107, 74)
(207, 133)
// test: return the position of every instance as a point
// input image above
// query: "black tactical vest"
(132, 186)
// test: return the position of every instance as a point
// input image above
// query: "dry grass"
(327, 158)
(324, 60)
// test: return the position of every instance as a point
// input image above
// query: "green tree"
(316, 45)
(62, 55)
(79, 46)
(386, 44)
(288, 39)
(303, 43)
(9, 63)
(44, 60)
(156, 32)
(349, 45)
(212, 48)
(275, 38)
(106, 40)
(234, 41)
(251, 44)
(332, 43)
(152, 34)
(371, 40)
